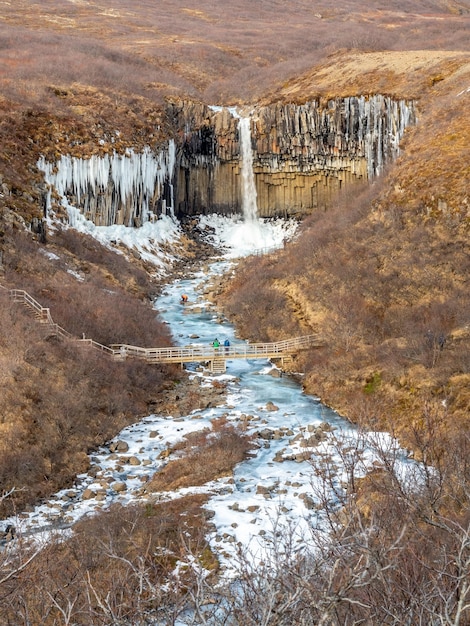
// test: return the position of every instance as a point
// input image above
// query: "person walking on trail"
(216, 343)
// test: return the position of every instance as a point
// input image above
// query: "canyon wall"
(108, 189)
(302, 155)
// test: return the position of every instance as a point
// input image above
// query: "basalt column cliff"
(302, 154)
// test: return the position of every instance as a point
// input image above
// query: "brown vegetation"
(387, 292)
(384, 277)
(207, 455)
(72, 75)
(89, 289)
(234, 53)
(118, 568)
(60, 401)
(396, 552)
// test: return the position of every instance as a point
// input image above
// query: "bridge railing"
(95, 345)
(198, 352)
(44, 314)
(189, 353)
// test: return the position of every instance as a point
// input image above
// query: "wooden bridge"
(216, 358)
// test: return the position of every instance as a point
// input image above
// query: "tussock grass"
(206, 456)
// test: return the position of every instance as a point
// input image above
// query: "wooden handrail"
(173, 354)
(198, 352)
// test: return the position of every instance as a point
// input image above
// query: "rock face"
(302, 155)
(129, 189)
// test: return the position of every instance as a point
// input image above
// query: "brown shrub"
(88, 250)
(208, 456)
(62, 403)
(59, 401)
(117, 567)
(102, 306)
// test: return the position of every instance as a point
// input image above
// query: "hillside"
(75, 73)
(382, 276)
(385, 274)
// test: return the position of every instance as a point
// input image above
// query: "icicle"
(171, 169)
(132, 180)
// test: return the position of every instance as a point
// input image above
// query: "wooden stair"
(218, 366)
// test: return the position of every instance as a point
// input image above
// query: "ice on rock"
(118, 188)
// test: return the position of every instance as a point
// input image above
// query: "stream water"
(273, 489)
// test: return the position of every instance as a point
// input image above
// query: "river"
(275, 492)
(272, 490)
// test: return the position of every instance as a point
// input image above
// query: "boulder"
(266, 433)
(88, 494)
(119, 487)
(119, 446)
(270, 406)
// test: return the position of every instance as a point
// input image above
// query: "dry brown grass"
(59, 401)
(207, 455)
(404, 73)
(234, 53)
(381, 283)
(111, 302)
(89, 69)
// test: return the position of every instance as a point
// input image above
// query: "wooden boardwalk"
(216, 358)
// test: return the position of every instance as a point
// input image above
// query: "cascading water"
(248, 235)
(249, 198)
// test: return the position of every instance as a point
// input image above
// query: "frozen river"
(273, 489)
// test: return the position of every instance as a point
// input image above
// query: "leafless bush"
(87, 249)
(387, 550)
(58, 400)
(390, 547)
(118, 567)
(97, 307)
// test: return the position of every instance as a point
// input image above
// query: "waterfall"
(249, 200)
(249, 234)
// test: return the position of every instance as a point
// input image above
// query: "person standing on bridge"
(227, 345)
(216, 343)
